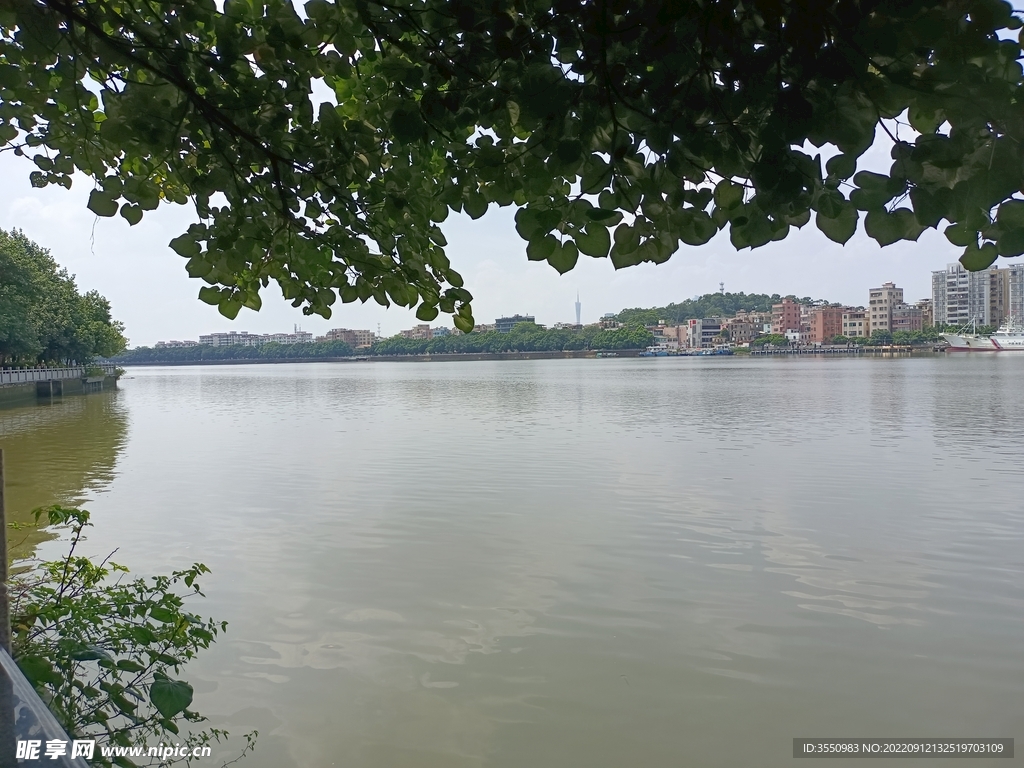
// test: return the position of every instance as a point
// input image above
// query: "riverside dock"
(19, 384)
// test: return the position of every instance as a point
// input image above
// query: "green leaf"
(541, 248)
(132, 214)
(170, 697)
(627, 239)
(976, 259)
(882, 227)
(128, 665)
(101, 203)
(564, 257)
(696, 227)
(728, 195)
(38, 670)
(874, 190)
(426, 312)
(594, 240)
(841, 166)
(185, 245)
(600, 214)
(475, 205)
(210, 295)
(159, 613)
(90, 653)
(407, 125)
(839, 228)
(959, 234)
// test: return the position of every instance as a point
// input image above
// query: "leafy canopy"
(43, 317)
(321, 146)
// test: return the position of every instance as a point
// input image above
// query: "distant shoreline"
(427, 358)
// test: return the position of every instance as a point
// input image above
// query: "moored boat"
(1008, 338)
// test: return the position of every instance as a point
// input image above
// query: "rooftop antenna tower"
(578, 305)
(721, 288)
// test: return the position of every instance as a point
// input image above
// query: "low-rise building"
(354, 338)
(825, 324)
(232, 338)
(298, 337)
(786, 316)
(927, 313)
(742, 330)
(176, 343)
(906, 318)
(421, 331)
(856, 323)
(700, 333)
(506, 324)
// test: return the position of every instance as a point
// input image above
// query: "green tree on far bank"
(43, 317)
(207, 353)
(524, 337)
(774, 339)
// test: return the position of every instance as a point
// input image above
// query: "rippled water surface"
(582, 562)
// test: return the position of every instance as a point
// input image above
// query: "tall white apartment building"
(960, 296)
(1015, 280)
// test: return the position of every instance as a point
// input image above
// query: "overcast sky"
(152, 294)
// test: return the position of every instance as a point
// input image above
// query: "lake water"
(668, 562)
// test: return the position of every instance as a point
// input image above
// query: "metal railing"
(28, 375)
(25, 718)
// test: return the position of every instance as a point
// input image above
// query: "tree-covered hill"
(708, 305)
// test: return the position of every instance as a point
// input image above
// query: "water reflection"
(63, 452)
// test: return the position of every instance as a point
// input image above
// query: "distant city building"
(701, 332)
(1015, 291)
(986, 297)
(609, 316)
(742, 329)
(907, 318)
(927, 316)
(441, 332)
(298, 337)
(881, 302)
(785, 316)
(175, 343)
(232, 338)
(856, 323)
(825, 324)
(484, 328)
(421, 331)
(505, 324)
(357, 339)
(566, 326)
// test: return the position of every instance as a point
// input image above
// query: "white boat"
(1009, 337)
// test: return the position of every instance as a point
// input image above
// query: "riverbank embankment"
(426, 358)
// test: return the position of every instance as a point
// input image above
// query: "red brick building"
(826, 322)
(786, 316)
